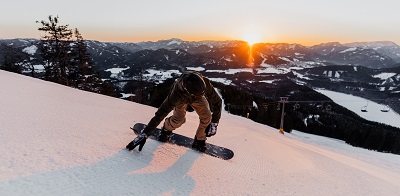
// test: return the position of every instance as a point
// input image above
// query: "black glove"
(211, 129)
(139, 140)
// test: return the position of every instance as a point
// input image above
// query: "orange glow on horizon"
(251, 38)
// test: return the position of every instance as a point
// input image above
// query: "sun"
(251, 38)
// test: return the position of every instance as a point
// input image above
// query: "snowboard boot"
(199, 145)
(164, 135)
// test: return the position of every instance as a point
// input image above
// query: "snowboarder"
(190, 89)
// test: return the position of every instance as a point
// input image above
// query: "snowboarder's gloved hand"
(211, 129)
(139, 140)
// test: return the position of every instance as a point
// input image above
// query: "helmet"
(194, 84)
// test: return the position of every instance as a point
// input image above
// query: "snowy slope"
(57, 140)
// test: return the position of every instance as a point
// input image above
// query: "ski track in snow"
(57, 140)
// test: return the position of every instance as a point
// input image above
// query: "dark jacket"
(178, 96)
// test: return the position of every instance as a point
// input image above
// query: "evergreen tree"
(81, 63)
(55, 46)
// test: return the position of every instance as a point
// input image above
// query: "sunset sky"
(306, 22)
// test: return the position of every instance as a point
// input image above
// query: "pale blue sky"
(293, 21)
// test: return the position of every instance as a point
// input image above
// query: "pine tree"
(81, 63)
(55, 46)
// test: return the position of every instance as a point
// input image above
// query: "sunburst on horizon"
(251, 38)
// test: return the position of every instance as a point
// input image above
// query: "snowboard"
(180, 140)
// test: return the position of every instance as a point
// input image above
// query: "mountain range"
(368, 54)
(235, 53)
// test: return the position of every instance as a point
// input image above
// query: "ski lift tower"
(283, 101)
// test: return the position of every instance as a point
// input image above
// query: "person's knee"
(209, 120)
(206, 118)
(173, 123)
(178, 121)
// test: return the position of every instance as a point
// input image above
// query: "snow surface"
(271, 70)
(221, 80)
(57, 140)
(160, 75)
(384, 76)
(116, 71)
(38, 69)
(268, 81)
(232, 71)
(349, 50)
(174, 42)
(355, 104)
(196, 68)
(301, 76)
(30, 50)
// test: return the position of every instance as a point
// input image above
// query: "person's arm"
(214, 100)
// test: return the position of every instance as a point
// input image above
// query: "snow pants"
(202, 108)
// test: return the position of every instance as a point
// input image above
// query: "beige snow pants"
(202, 109)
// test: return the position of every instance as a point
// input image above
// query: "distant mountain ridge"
(387, 48)
(380, 54)
(369, 54)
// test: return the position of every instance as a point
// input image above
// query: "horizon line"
(226, 40)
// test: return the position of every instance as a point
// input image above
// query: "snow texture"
(116, 71)
(57, 140)
(195, 68)
(384, 76)
(30, 50)
(160, 76)
(232, 71)
(349, 50)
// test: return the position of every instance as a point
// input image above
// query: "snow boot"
(164, 135)
(199, 145)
